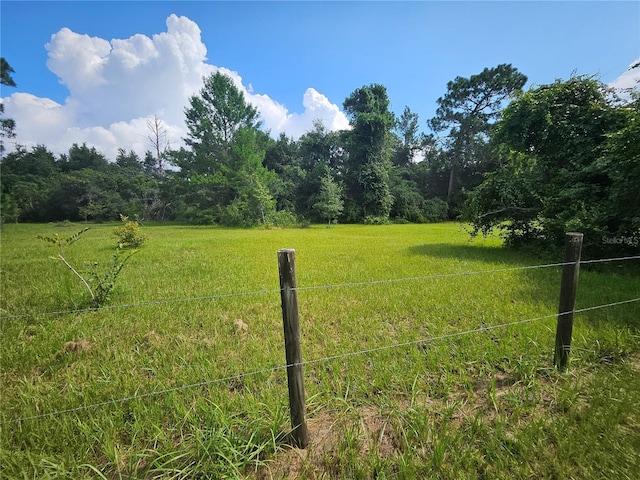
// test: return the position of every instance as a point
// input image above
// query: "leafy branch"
(61, 242)
(103, 283)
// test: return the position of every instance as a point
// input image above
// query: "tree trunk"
(450, 189)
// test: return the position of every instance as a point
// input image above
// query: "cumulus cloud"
(115, 87)
(628, 81)
(316, 107)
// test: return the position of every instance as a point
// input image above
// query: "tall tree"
(7, 125)
(27, 179)
(467, 111)
(129, 160)
(213, 118)
(223, 175)
(622, 161)
(569, 158)
(409, 140)
(329, 202)
(321, 153)
(81, 156)
(367, 173)
(282, 158)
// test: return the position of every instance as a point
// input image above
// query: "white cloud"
(316, 107)
(628, 81)
(115, 86)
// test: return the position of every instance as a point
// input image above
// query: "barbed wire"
(143, 304)
(484, 328)
(614, 259)
(311, 287)
(462, 274)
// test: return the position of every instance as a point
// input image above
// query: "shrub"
(436, 210)
(99, 284)
(103, 282)
(283, 218)
(129, 233)
(376, 220)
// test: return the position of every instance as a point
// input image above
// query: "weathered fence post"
(290, 320)
(569, 282)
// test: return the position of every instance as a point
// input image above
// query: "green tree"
(129, 161)
(409, 142)
(567, 154)
(283, 159)
(213, 119)
(7, 125)
(88, 194)
(466, 113)
(367, 170)
(321, 153)
(27, 180)
(91, 188)
(622, 161)
(222, 174)
(9, 209)
(329, 202)
(261, 200)
(139, 189)
(408, 202)
(5, 73)
(248, 180)
(81, 156)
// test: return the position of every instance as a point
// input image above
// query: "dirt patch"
(76, 346)
(242, 328)
(634, 363)
(151, 338)
(373, 428)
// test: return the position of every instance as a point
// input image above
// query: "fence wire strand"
(315, 361)
(313, 287)
(602, 260)
(144, 304)
(463, 274)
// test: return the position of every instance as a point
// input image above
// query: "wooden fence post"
(290, 320)
(568, 285)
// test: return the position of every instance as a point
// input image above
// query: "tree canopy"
(467, 111)
(563, 147)
(367, 172)
(532, 165)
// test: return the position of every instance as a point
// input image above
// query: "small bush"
(376, 220)
(99, 283)
(436, 210)
(283, 218)
(129, 233)
(104, 281)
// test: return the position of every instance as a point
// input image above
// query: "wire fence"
(273, 369)
(313, 287)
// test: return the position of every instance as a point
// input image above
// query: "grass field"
(435, 405)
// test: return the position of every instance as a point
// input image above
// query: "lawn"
(404, 378)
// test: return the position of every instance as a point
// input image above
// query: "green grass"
(483, 405)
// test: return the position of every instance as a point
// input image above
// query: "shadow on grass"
(598, 285)
(543, 284)
(476, 252)
(537, 286)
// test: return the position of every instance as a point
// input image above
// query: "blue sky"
(279, 50)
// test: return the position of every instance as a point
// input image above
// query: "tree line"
(534, 164)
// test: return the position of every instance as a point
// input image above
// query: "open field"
(480, 405)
